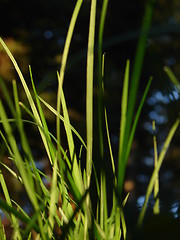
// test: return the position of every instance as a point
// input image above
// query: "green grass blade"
(123, 122)
(156, 185)
(25, 173)
(2, 231)
(76, 171)
(62, 119)
(124, 102)
(137, 66)
(126, 150)
(7, 97)
(156, 170)
(44, 124)
(28, 94)
(89, 91)
(19, 215)
(100, 92)
(136, 119)
(89, 109)
(110, 147)
(64, 59)
(138, 62)
(15, 222)
(103, 204)
(53, 199)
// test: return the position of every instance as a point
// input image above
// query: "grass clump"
(63, 209)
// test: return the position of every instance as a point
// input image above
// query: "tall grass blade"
(89, 90)
(136, 119)
(76, 172)
(123, 122)
(138, 62)
(44, 124)
(64, 59)
(89, 108)
(99, 80)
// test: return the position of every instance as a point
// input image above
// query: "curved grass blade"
(28, 94)
(62, 119)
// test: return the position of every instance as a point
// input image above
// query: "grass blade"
(156, 170)
(172, 77)
(64, 60)
(156, 184)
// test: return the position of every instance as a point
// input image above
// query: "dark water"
(41, 26)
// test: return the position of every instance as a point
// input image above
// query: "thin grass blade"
(156, 170)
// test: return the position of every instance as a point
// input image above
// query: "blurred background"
(35, 32)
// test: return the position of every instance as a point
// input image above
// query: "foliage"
(63, 209)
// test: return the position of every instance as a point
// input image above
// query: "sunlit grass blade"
(156, 184)
(28, 158)
(44, 124)
(98, 231)
(110, 147)
(89, 91)
(172, 77)
(89, 109)
(64, 60)
(76, 172)
(25, 174)
(53, 199)
(28, 94)
(54, 111)
(156, 170)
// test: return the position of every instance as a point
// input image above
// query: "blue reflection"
(142, 178)
(157, 97)
(170, 61)
(157, 117)
(174, 209)
(48, 34)
(140, 201)
(148, 161)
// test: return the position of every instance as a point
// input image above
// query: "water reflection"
(48, 34)
(174, 209)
